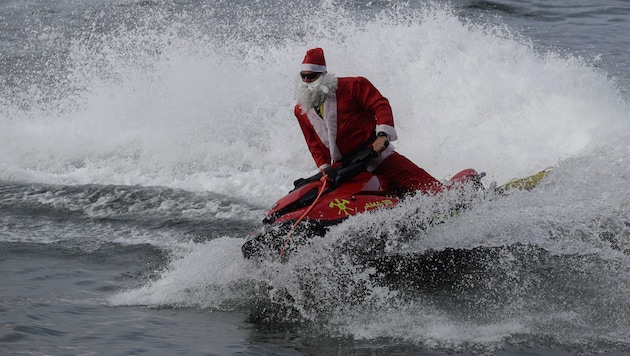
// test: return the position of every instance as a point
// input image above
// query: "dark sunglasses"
(310, 75)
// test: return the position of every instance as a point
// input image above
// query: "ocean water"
(142, 142)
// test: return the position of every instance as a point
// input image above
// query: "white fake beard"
(310, 95)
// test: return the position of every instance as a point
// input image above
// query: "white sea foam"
(189, 111)
(210, 112)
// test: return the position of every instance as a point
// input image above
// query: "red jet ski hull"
(361, 193)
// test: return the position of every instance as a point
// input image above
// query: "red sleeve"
(366, 93)
(320, 153)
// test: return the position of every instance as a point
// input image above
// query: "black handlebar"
(350, 167)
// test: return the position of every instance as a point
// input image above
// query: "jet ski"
(328, 198)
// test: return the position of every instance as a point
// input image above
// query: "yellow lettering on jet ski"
(378, 204)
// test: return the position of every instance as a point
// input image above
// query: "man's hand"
(380, 144)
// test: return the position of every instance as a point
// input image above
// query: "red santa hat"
(314, 61)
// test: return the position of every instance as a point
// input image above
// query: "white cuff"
(389, 130)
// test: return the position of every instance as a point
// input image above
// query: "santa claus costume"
(340, 116)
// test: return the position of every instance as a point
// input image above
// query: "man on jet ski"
(341, 116)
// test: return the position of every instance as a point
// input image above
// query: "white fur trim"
(319, 125)
(389, 130)
(327, 129)
(313, 67)
(330, 116)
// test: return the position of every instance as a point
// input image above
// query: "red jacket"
(350, 118)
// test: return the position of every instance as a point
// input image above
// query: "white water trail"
(209, 112)
(194, 112)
